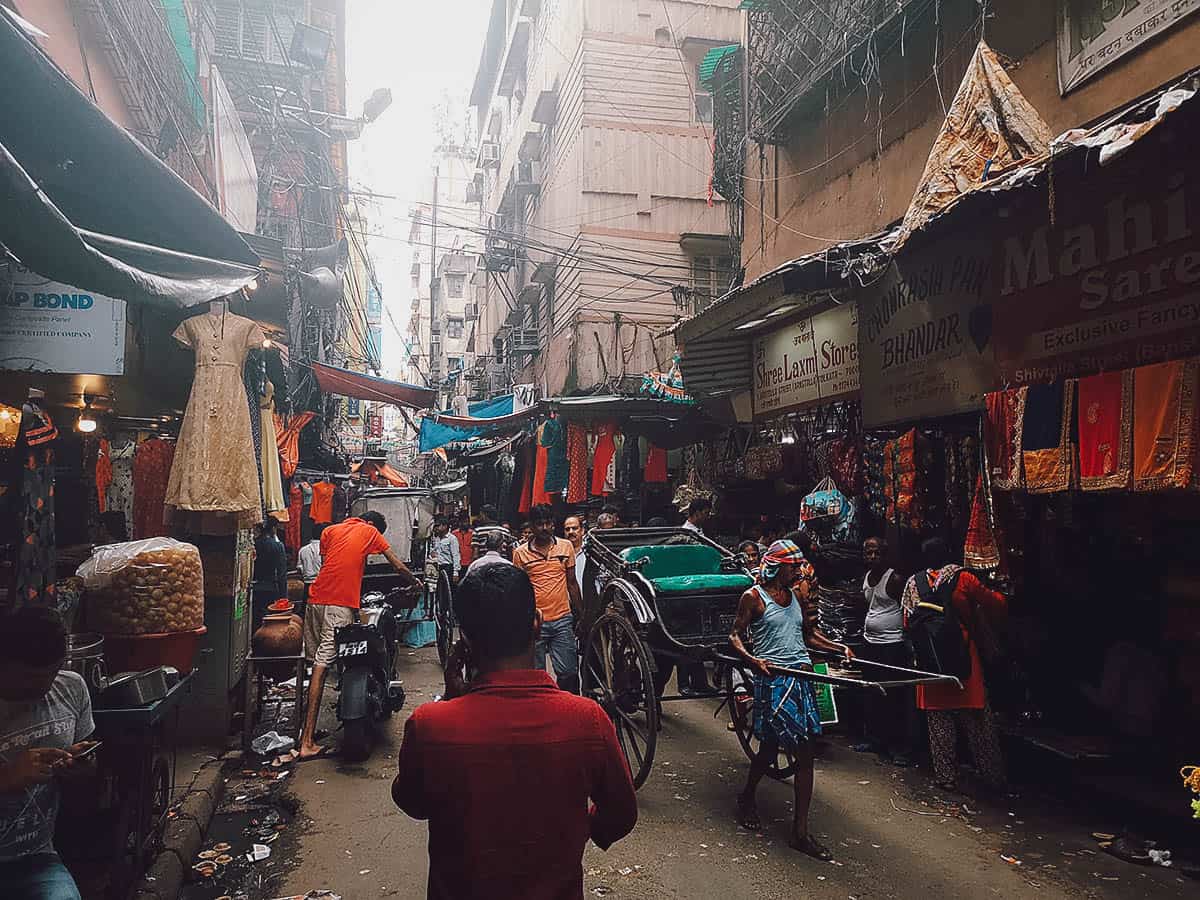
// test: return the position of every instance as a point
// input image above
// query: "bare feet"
(313, 751)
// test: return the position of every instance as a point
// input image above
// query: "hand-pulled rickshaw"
(657, 596)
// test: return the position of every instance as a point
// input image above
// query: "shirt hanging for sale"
(321, 511)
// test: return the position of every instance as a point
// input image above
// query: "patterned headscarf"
(780, 553)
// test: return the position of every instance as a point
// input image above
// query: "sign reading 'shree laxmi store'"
(47, 326)
(808, 361)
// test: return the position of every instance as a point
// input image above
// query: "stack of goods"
(144, 587)
(841, 605)
(141, 590)
(904, 461)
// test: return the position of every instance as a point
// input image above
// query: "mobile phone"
(89, 751)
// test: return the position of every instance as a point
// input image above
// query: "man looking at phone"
(45, 718)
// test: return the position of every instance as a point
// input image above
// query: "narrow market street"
(884, 827)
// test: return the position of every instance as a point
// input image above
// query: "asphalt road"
(893, 836)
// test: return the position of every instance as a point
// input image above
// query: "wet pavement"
(892, 834)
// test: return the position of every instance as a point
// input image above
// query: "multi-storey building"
(445, 240)
(594, 167)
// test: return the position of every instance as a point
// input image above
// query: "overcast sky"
(425, 52)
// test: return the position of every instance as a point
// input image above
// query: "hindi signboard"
(1093, 34)
(925, 335)
(46, 326)
(808, 361)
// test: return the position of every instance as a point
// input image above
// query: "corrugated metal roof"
(712, 60)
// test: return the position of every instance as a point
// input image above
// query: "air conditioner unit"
(471, 311)
(489, 153)
(524, 340)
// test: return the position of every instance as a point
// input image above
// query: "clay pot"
(278, 636)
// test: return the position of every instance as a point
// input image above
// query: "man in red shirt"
(504, 770)
(333, 601)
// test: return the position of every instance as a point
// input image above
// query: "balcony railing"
(794, 44)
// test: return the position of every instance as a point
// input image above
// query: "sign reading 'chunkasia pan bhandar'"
(46, 326)
(925, 335)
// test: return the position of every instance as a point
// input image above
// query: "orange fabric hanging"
(1164, 425)
(287, 438)
(321, 511)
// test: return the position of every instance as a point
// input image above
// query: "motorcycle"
(368, 689)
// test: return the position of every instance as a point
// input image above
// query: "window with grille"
(454, 328)
(262, 32)
(711, 276)
(454, 285)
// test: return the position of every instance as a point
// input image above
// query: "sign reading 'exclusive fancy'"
(46, 326)
(809, 361)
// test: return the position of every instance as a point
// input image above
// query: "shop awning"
(346, 383)
(371, 468)
(87, 205)
(487, 417)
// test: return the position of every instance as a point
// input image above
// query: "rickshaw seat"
(685, 567)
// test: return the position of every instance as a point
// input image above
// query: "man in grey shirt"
(45, 718)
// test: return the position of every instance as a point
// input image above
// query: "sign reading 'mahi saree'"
(1113, 284)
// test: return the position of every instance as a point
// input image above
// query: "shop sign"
(809, 361)
(46, 326)
(1093, 34)
(925, 335)
(1115, 286)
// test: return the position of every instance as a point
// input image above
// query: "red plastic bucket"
(134, 652)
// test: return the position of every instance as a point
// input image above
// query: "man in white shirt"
(573, 532)
(445, 549)
(309, 559)
(698, 512)
(495, 550)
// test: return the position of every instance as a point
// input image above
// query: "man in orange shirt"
(333, 601)
(550, 563)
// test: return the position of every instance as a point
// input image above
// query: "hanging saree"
(1046, 437)
(1002, 437)
(1164, 425)
(981, 550)
(577, 460)
(1105, 422)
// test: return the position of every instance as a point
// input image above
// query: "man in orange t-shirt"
(333, 601)
(549, 562)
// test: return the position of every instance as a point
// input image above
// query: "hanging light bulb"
(267, 344)
(87, 422)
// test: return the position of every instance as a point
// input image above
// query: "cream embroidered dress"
(215, 469)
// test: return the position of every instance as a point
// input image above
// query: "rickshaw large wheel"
(443, 616)
(737, 700)
(616, 673)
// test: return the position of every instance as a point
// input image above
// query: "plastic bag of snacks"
(144, 587)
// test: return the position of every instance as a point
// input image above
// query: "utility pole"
(434, 367)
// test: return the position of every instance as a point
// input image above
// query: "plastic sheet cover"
(989, 125)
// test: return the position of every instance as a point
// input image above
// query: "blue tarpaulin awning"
(486, 417)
